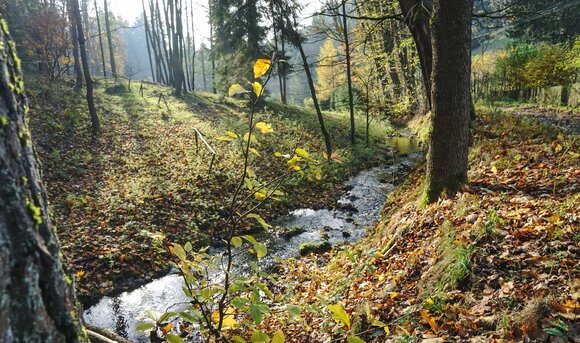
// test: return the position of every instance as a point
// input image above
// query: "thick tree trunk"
(348, 74)
(449, 138)
(76, 57)
(110, 41)
(100, 40)
(95, 125)
(37, 300)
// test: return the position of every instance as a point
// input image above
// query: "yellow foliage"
(261, 67)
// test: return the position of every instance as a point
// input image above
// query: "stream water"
(358, 208)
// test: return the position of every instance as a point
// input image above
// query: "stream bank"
(345, 220)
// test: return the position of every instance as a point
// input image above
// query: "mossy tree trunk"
(451, 101)
(37, 300)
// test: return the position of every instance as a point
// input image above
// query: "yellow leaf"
(264, 127)
(232, 134)
(278, 154)
(494, 169)
(301, 152)
(318, 174)
(252, 138)
(278, 337)
(250, 172)
(430, 320)
(167, 329)
(558, 148)
(292, 162)
(79, 274)
(255, 152)
(236, 89)
(339, 314)
(257, 88)
(261, 195)
(261, 67)
(229, 322)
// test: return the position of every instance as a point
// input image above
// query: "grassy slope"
(498, 260)
(144, 175)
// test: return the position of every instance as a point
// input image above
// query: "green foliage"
(528, 66)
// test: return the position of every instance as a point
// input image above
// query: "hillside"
(147, 176)
(495, 262)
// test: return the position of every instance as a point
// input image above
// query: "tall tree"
(76, 58)
(328, 72)
(38, 300)
(110, 41)
(201, 52)
(95, 125)
(148, 41)
(417, 14)
(100, 40)
(211, 46)
(449, 138)
(291, 30)
(348, 73)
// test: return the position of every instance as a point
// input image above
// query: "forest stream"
(357, 208)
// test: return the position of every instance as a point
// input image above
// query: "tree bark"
(296, 40)
(76, 57)
(449, 138)
(100, 40)
(110, 42)
(417, 15)
(37, 299)
(348, 74)
(148, 40)
(95, 125)
(193, 51)
(203, 67)
(211, 47)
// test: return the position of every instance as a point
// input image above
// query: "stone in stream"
(292, 232)
(347, 207)
(314, 248)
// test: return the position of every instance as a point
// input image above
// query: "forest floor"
(498, 261)
(145, 177)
